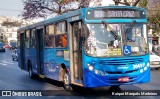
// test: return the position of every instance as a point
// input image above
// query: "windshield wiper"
(128, 30)
(130, 26)
(114, 33)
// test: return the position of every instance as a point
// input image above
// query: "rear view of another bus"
(116, 47)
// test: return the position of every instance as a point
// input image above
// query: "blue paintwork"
(27, 56)
(52, 63)
(19, 59)
(96, 80)
(33, 59)
(30, 54)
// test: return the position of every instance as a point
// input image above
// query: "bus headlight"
(141, 70)
(90, 68)
(145, 68)
(96, 71)
(88, 65)
(148, 64)
(102, 73)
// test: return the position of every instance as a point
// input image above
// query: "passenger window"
(61, 35)
(32, 38)
(49, 36)
(27, 38)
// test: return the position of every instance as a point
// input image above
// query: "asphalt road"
(12, 78)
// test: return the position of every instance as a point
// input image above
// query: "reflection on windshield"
(136, 38)
(111, 30)
(100, 40)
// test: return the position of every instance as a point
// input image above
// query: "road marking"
(9, 62)
(2, 64)
(5, 63)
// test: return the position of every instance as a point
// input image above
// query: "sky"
(11, 8)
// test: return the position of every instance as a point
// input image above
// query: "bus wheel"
(67, 85)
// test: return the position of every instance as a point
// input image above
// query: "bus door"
(39, 50)
(22, 50)
(76, 53)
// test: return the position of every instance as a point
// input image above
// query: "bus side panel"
(59, 59)
(33, 60)
(52, 63)
(26, 58)
(19, 59)
(49, 62)
(21, 51)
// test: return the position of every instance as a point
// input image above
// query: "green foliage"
(143, 3)
(44, 8)
(153, 14)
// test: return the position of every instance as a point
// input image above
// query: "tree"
(153, 9)
(154, 19)
(143, 3)
(43, 8)
(127, 2)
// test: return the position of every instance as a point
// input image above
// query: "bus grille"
(119, 62)
(119, 72)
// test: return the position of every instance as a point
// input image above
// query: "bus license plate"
(124, 79)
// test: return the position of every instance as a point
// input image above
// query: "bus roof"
(54, 19)
(78, 12)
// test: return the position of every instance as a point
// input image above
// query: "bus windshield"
(108, 40)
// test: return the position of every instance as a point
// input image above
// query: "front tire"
(66, 83)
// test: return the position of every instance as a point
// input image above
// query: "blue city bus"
(88, 47)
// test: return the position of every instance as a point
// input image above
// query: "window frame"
(50, 35)
(27, 38)
(60, 34)
(32, 43)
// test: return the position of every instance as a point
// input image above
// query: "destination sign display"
(115, 13)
